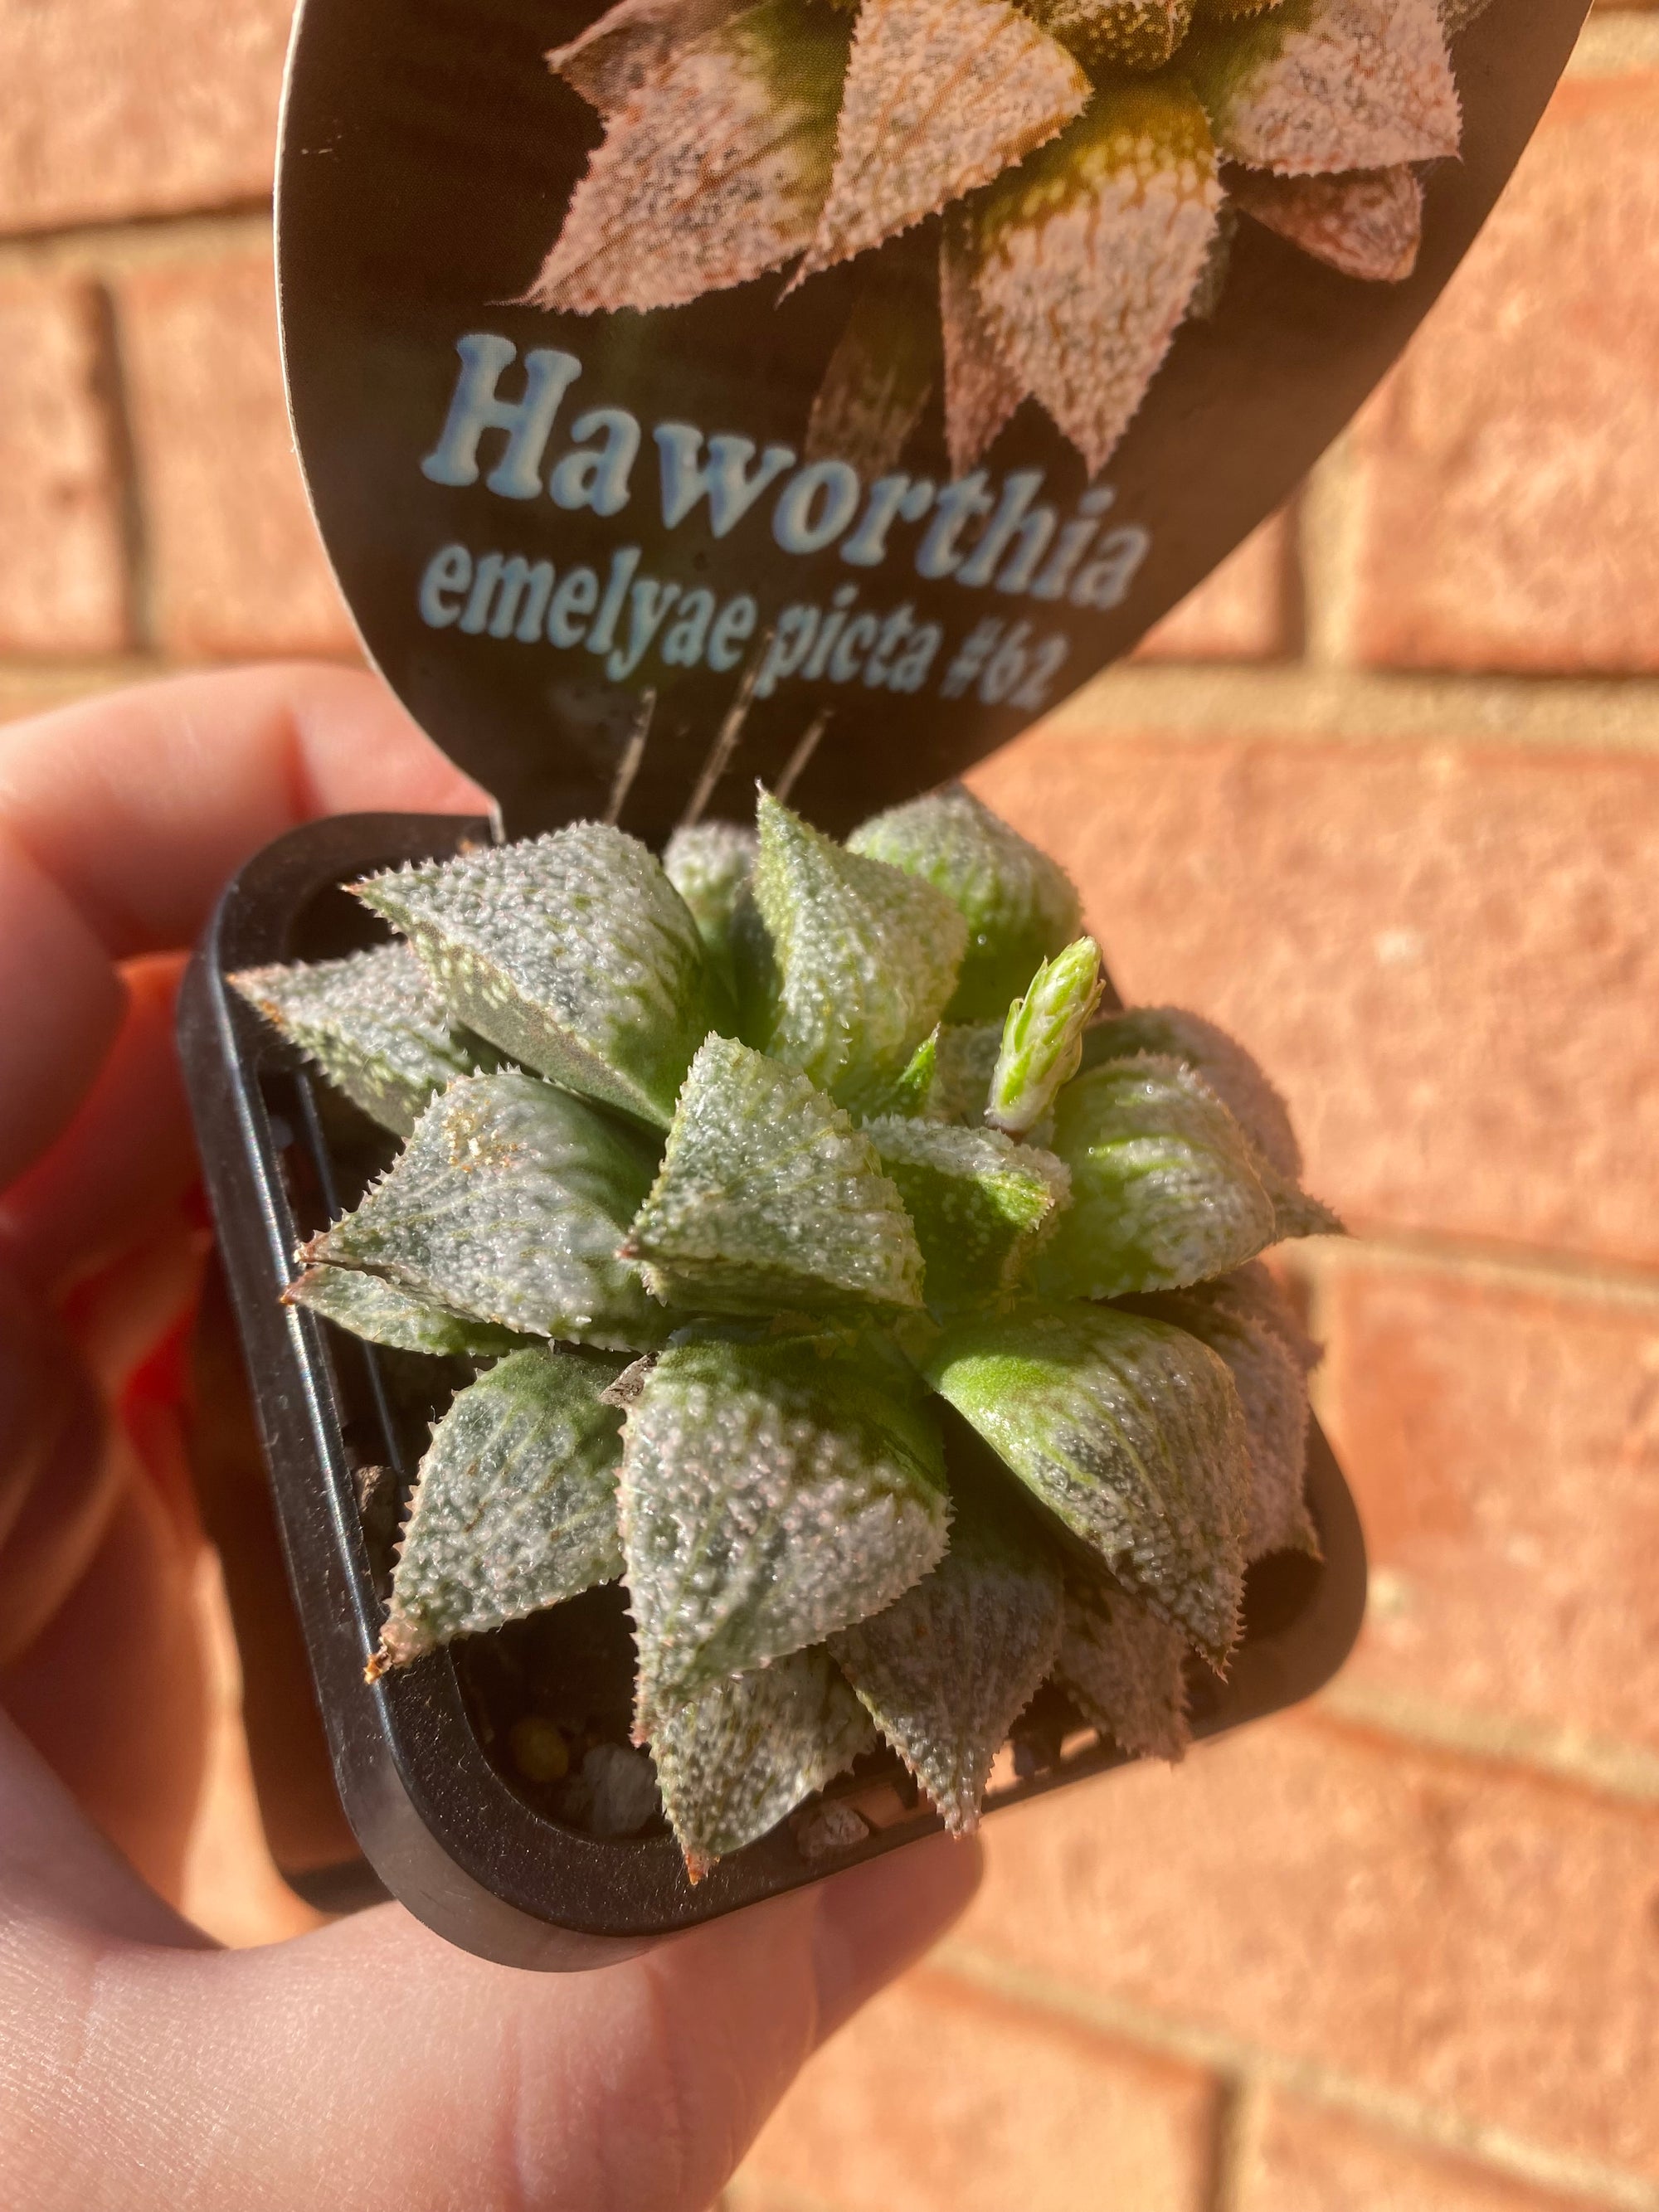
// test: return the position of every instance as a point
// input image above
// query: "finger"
(404, 2072)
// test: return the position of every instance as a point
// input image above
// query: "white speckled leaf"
(1165, 1187)
(1128, 1430)
(980, 1204)
(941, 96)
(714, 171)
(1089, 252)
(1368, 224)
(1322, 85)
(630, 43)
(1247, 1318)
(1123, 35)
(1021, 908)
(1172, 1033)
(982, 386)
(737, 1759)
(768, 1199)
(371, 1307)
(947, 1670)
(507, 1204)
(770, 1494)
(1458, 14)
(1123, 1667)
(1042, 1038)
(879, 378)
(710, 866)
(515, 1504)
(574, 953)
(373, 1024)
(865, 958)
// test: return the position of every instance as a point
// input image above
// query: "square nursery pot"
(435, 1811)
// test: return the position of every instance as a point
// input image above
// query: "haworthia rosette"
(374, 1025)
(507, 1204)
(769, 1198)
(371, 1307)
(770, 1494)
(515, 1504)
(979, 1202)
(574, 953)
(1021, 908)
(1130, 1432)
(740, 1755)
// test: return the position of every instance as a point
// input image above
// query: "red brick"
(1449, 958)
(237, 565)
(62, 566)
(122, 108)
(1510, 471)
(1312, 2161)
(1504, 1445)
(1474, 1937)
(1243, 611)
(939, 2100)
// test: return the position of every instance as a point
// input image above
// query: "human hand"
(366, 2063)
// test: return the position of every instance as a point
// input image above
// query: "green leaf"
(373, 1308)
(911, 1091)
(515, 1505)
(864, 958)
(979, 1203)
(507, 1204)
(373, 1024)
(1130, 1432)
(1020, 907)
(710, 864)
(574, 953)
(1123, 1667)
(737, 1758)
(964, 1060)
(1164, 1185)
(770, 1494)
(769, 1197)
(1042, 1038)
(947, 1670)
(1247, 1318)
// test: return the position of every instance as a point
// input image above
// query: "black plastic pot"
(440, 1818)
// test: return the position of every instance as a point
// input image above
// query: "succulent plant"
(1082, 152)
(834, 1273)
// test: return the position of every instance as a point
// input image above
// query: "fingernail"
(875, 1920)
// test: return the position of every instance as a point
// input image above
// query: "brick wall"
(1384, 798)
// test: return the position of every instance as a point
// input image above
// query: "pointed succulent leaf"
(879, 378)
(964, 1060)
(941, 96)
(982, 387)
(630, 43)
(1123, 1666)
(710, 864)
(947, 1670)
(1108, 34)
(572, 952)
(1172, 1033)
(1368, 224)
(1247, 1318)
(771, 1493)
(740, 1756)
(864, 958)
(979, 1202)
(515, 1504)
(1328, 85)
(1129, 1431)
(769, 1198)
(373, 1024)
(1088, 253)
(911, 1091)
(1021, 908)
(1042, 1038)
(713, 172)
(1164, 1185)
(508, 1205)
(370, 1307)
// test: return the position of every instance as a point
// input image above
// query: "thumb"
(369, 2064)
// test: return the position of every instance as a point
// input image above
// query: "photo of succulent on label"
(692, 391)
